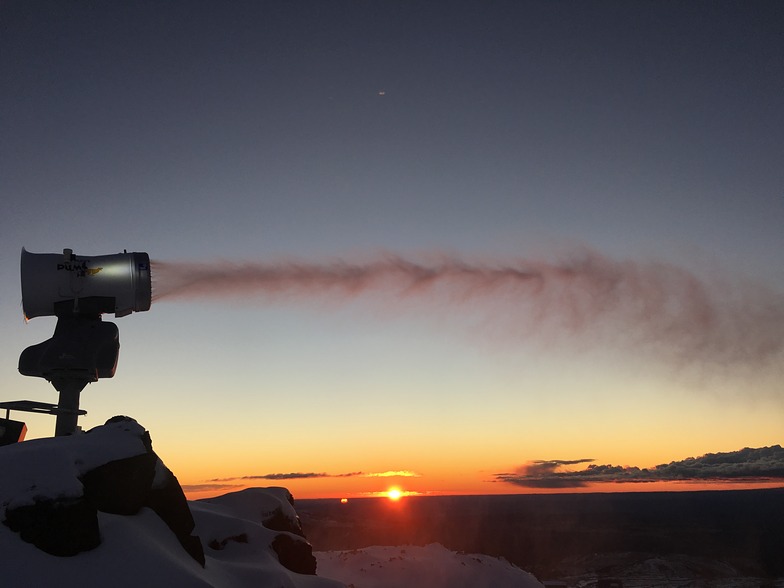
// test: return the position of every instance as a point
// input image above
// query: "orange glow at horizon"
(307, 491)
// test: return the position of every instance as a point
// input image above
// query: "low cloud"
(308, 475)
(288, 476)
(209, 487)
(748, 464)
(544, 474)
(393, 474)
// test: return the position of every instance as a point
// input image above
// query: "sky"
(431, 245)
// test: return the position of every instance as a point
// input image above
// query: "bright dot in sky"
(381, 92)
(394, 493)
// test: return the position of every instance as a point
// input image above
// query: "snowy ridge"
(433, 565)
(140, 550)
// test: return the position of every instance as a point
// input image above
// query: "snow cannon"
(77, 289)
(56, 284)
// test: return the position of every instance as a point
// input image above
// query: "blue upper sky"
(197, 128)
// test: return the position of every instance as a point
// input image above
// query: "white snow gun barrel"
(55, 284)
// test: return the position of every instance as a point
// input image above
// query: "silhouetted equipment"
(84, 349)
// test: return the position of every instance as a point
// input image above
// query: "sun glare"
(394, 493)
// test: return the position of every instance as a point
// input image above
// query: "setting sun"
(394, 493)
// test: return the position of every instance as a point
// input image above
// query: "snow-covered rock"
(53, 489)
(260, 514)
(100, 509)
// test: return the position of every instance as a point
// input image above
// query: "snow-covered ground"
(141, 550)
(134, 550)
(432, 565)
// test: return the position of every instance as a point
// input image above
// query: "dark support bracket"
(68, 406)
(82, 350)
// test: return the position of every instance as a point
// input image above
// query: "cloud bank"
(762, 464)
(393, 474)
(307, 475)
(209, 487)
(660, 307)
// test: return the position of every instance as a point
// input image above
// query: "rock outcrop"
(59, 486)
(273, 509)
(62, 494)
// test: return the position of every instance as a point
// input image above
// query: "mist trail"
(658, 306)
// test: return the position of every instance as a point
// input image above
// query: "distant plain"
(572, 535)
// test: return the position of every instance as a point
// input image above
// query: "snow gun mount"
(77, 289)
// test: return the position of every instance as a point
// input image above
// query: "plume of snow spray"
(662, 307)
